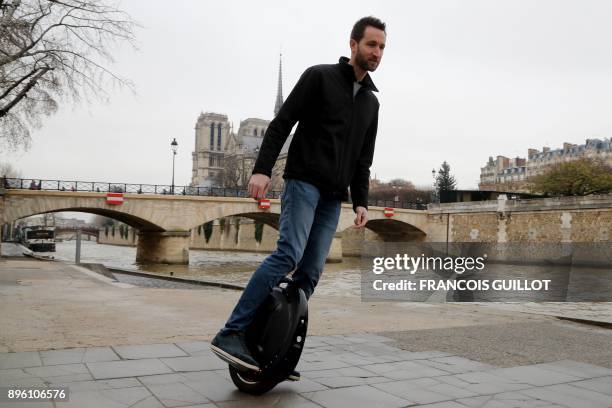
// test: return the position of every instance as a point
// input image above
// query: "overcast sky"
(459, 81)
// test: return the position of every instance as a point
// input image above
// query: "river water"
(339, 279)
(345, 279)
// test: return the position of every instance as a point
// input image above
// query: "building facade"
(505, 174)
(224, 158)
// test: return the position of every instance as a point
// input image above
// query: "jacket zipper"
(346, 139)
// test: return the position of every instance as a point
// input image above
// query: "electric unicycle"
(275, 339)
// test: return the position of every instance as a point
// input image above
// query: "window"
(212, 136)
(219, 136)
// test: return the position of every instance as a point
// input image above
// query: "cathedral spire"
(279, 91)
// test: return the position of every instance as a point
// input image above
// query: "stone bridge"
(165, 222)
(68, 234)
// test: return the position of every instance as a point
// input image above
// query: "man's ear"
(353, 44)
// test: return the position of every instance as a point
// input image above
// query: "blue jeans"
(307, 226)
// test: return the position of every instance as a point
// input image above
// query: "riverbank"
(55, 305)
(51, 305)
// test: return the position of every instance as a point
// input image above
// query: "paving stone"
(131, 368)
(486, 401)
(195, 348)
(424, 390)
(196, 363)
(576, 368)
(224, 373)
(328, 364)
(58, 371)
(456, 365)
(13, 373)
(482, 383)
(161, 379)
(27, 404)
(452, 391)
(276, 400)
(355, 359)
(23, 382)
(177, 394)
(19, 360)
(424, 355)
(304, 385)
(569, 395)
(149, 402)
(98, 385)
(313, 341)
(445, 404)
(368, 338)
(114, 398)
(78, 355)
(404, 370)
(601, 384)
(506, 400)
(394, 354)
(373, 349)
(213, 386)
(532, 375)
(345, 377)
(334, 340)
(346, 357)
(149, 351)
(360, 396)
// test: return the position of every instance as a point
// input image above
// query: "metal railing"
(164, 189)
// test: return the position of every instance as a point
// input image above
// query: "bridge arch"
(395, 230)
(129, 219)
(268, 218)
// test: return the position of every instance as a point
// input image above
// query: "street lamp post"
(433, 194)
(174, 146)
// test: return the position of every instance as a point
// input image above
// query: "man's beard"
(363, 63)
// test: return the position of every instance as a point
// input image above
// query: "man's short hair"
(360, 26)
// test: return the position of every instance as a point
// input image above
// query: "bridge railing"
(105, 187)
(418, 205)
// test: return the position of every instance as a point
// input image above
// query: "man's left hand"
(361, 217)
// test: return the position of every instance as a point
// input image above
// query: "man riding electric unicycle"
(331, 151)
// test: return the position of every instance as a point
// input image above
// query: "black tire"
(250, 382)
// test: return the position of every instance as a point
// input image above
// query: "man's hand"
(361, 217)
(258, 186)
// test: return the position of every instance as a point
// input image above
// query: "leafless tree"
(102, 221)
(7, 170)
(54, 51)
(233, 173)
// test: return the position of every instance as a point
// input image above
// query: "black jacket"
(333, 145)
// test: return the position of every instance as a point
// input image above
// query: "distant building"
(505, 174)
(223, 158)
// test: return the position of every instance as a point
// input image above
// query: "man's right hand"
(258, 186)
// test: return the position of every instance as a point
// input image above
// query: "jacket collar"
(349, 73)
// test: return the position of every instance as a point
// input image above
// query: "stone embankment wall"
(235, 237)
(580, 226)
(116, 237)
(564, 219)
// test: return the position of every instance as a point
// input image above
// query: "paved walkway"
(360, 370)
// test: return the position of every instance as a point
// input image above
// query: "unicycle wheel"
(251, 382)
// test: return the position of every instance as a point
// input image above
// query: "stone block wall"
(117, 239)
(241, 238)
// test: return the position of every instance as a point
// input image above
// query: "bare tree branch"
(52, 50)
